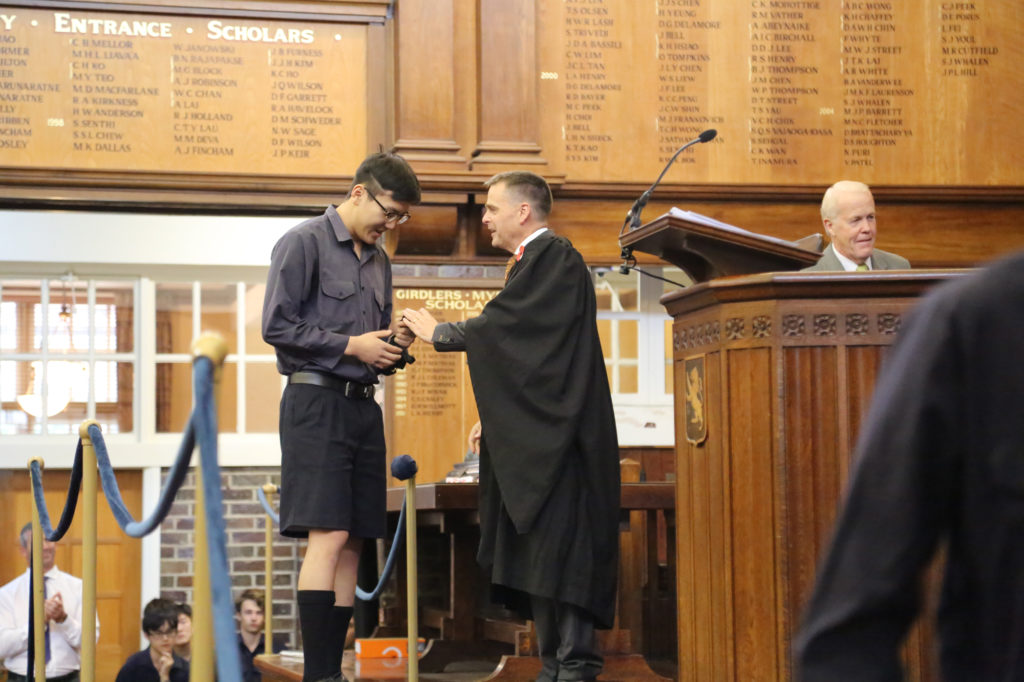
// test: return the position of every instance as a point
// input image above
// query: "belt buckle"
(358, 391)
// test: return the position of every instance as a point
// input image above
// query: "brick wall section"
(245, 523)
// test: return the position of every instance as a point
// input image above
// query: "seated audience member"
(250, 615)
(183, 642)
(62, 609)
(848, 215)
(157, 662)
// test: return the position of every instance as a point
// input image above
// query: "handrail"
(213, 600)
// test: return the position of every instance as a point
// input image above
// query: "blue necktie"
(46, 629)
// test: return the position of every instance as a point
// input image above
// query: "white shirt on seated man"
(63, 611)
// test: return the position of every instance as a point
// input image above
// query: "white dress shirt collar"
(534, 235)
(848, 265)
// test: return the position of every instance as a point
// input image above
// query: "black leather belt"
(349, 389)
(69, 677)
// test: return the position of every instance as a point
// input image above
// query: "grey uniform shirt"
(319, 293)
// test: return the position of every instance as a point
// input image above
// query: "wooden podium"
(773, 373)
(706, 250)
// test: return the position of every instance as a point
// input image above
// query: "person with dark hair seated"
(63, 617)
(249, 612)
(183, 642)
(157, 662)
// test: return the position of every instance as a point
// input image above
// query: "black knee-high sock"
(340, 618)
(315, 620)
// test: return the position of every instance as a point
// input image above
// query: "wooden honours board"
(147, 92)
(800, 91)
(433, 398)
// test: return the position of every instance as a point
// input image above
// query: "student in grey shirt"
(327, 312)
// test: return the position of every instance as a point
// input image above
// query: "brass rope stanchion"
(202, 665)
(90, 488)
(412, 595)
(268, 569)
(38, 589)
(213, 587)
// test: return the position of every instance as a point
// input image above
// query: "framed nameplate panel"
(800, 91)
(230, 93)
(431, 403)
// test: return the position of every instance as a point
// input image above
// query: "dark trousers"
(565, 641)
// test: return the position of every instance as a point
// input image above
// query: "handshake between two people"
(388, 349)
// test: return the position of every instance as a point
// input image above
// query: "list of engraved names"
(106, 90)
(786, 81)
(799, 90)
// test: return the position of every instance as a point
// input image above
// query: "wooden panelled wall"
(456, 86)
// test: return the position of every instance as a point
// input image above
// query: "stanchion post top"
(83, 429)
(39, 459)
(269, 489)
(210, 345)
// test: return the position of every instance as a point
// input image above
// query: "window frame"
(651, 404)
(241, 358)
(90, 356)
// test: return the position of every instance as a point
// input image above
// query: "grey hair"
(830, 202)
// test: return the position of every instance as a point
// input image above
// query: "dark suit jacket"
(139, 668)
(880, 260)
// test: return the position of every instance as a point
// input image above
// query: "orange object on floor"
(385, 647)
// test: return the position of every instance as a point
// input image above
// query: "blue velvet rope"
(70, 502)
(175, 477)
(389, 564)
(274, 516)
(204, 416)
(201, 426)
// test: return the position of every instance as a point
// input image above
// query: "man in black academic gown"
(549, 462)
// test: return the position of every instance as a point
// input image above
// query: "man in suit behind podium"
(848, 214)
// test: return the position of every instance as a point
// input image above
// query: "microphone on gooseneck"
(629, 263)
(633, 217)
